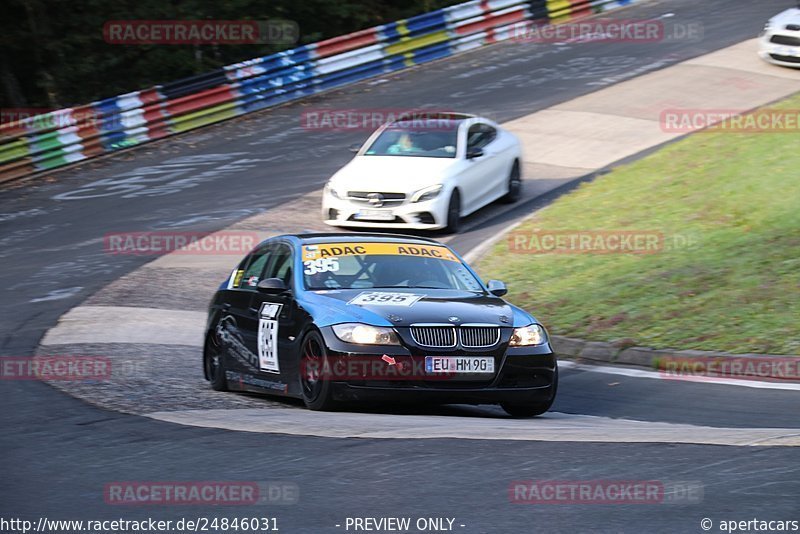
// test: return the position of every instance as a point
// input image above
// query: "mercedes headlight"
(429, 193)
(334, 193)
(364, 334)
(529, 335)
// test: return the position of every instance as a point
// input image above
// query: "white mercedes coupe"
(779, 42)
(425, 173)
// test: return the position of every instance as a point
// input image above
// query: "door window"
(281, 266)
(253, 273)
(479, 135)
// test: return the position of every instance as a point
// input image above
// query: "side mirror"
(271, 286)
(355, 147)
(496, 288)
(473, 153)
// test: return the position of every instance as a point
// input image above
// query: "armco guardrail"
(75, 134)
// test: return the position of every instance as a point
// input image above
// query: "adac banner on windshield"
(334, 250)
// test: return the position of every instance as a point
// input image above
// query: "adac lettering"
(418, 251)
(342, 251)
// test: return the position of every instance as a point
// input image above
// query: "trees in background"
(53, 54)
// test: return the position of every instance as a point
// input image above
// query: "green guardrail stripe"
(15, 150)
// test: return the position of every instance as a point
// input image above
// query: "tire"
(214, 365)
(532, 409)
(514, 185)
(453, 213)
(317, 393)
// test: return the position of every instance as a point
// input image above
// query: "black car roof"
(338, 237)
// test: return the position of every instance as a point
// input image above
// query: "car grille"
(479, 336)
(434, 336)
(396, 220)
(787, 40)
(445, 336)
(363, 197)
(786, 59)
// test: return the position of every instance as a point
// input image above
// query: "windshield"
(433, 139)
(384, 265)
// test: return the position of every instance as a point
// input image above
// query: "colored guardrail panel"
(14, 150)
(203, 99)
(349, 59)
(430, 53)
(346, 76)
(345, 43)
(491, 21)
(206, 116)
(266, 64)
(18, 169)
(410, 44)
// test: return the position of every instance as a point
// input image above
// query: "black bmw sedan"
(349, 317)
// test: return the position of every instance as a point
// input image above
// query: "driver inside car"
(403, 145)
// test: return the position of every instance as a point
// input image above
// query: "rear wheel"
(514, 184)
(213, 365)
(534, 408)
(314, 384)
(453, 213)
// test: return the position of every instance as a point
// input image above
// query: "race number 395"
(322, 265)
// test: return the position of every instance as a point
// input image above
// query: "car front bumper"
(784, 55)
(428, 215)
(522, 375)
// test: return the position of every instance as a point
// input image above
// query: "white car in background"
(779, 42)
(425, 174)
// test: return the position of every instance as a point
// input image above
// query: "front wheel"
(315, 381)
(453, 213)
(514, 185)
(213, 365)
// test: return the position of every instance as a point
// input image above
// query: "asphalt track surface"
(58, 452)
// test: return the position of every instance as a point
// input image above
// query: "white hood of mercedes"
(790, 16)
(392, 174)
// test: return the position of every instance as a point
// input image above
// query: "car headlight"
(429, 193)
(529, 335)
(334, 193)
(364, 334)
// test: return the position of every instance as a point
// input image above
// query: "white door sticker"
(268, 337)
(382, 298)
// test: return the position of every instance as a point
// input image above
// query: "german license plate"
(375, 215)
(459, 364)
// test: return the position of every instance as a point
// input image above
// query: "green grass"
(735, 288)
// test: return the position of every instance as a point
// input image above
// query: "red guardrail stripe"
(351, 41)
(203, 99)
(491, 21)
